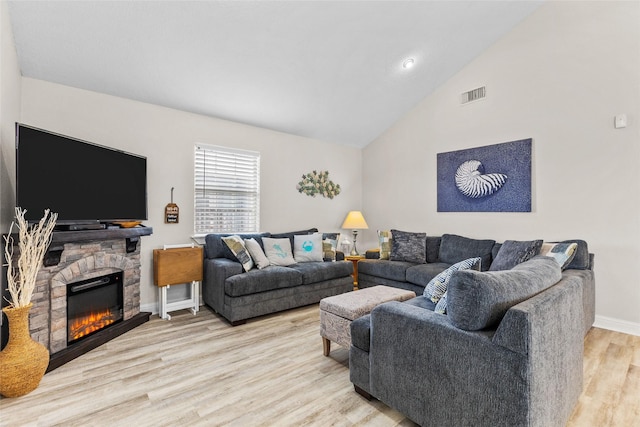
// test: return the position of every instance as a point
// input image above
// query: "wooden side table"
(176, 265)
(354, 259)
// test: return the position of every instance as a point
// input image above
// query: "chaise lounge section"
(507, 350)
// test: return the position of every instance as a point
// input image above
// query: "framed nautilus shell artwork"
(493, 178)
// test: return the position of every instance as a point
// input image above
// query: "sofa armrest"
(372, 254)
(216, 271)
(430, 370)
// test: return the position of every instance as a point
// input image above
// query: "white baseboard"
(152, 307)
(617, 325)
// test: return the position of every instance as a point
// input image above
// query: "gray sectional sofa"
(508, 352)
(443, 251)
(238, 295)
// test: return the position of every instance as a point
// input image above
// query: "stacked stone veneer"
(80, 261)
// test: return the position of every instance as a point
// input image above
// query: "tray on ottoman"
(337, 312)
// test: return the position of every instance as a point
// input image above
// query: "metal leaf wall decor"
(318, 183)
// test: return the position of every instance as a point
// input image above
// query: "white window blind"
(227, 190)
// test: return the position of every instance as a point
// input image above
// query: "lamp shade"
(355, 221)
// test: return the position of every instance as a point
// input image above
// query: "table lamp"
(355, 221)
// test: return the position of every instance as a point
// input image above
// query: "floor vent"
(474, 95)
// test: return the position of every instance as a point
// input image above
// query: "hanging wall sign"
(171, 212)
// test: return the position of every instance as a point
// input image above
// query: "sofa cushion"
(257, 253)
(307, 248)
(236, 246)
(290, 234)
(563, 253)
(433, 248)
(437, 286)
(384, 243)
(410, 247)
(278, 251)
(477, 300)
(216, 248)
(422, 274)
(267, 279)
(514, 252)
(394, 270)
(313, 272)
(422, 302)
(455, 248)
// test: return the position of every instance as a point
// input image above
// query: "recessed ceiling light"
(408, 63)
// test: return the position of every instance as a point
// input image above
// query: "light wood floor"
(199, 371)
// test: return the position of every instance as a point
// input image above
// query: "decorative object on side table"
(355, 221)
(318, 183)
(24, 361)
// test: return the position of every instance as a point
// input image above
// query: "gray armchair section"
(524, 370)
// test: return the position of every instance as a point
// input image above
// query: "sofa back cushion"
(290, 234)
(478, 300)
(455, 248)
(216, 248)
(433, 248)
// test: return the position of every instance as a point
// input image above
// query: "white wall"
(9, 114)
(559, 78)
(167, 137)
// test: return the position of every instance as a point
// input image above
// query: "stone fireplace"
(77, 258)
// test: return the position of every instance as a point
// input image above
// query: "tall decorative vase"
(23, 361)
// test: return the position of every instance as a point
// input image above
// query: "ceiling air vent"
(474, 95)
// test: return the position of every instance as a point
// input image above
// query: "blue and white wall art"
(493, 178)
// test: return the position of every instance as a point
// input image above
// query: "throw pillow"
(278, 251)
(256, 252)
(563, 253)
(441, 306)
(307, 248)
(514, 252)
(437, 287)
(384, 242)
(330, 246)
(409, 247)
(236, 246)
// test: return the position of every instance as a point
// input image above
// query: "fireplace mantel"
(59, 238)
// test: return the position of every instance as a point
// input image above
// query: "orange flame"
(93, 322)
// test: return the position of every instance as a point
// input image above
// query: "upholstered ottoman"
(337, 312)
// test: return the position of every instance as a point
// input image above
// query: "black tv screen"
(81, 181)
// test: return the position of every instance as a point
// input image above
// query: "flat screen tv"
(83, 182)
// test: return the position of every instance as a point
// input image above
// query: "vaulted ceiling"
(329, 70)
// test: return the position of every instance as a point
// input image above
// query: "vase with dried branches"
(24, 361)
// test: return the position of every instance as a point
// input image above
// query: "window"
(227, 190)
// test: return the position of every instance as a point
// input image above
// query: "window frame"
(231, 187)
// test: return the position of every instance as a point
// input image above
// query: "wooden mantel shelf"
(59, 238)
